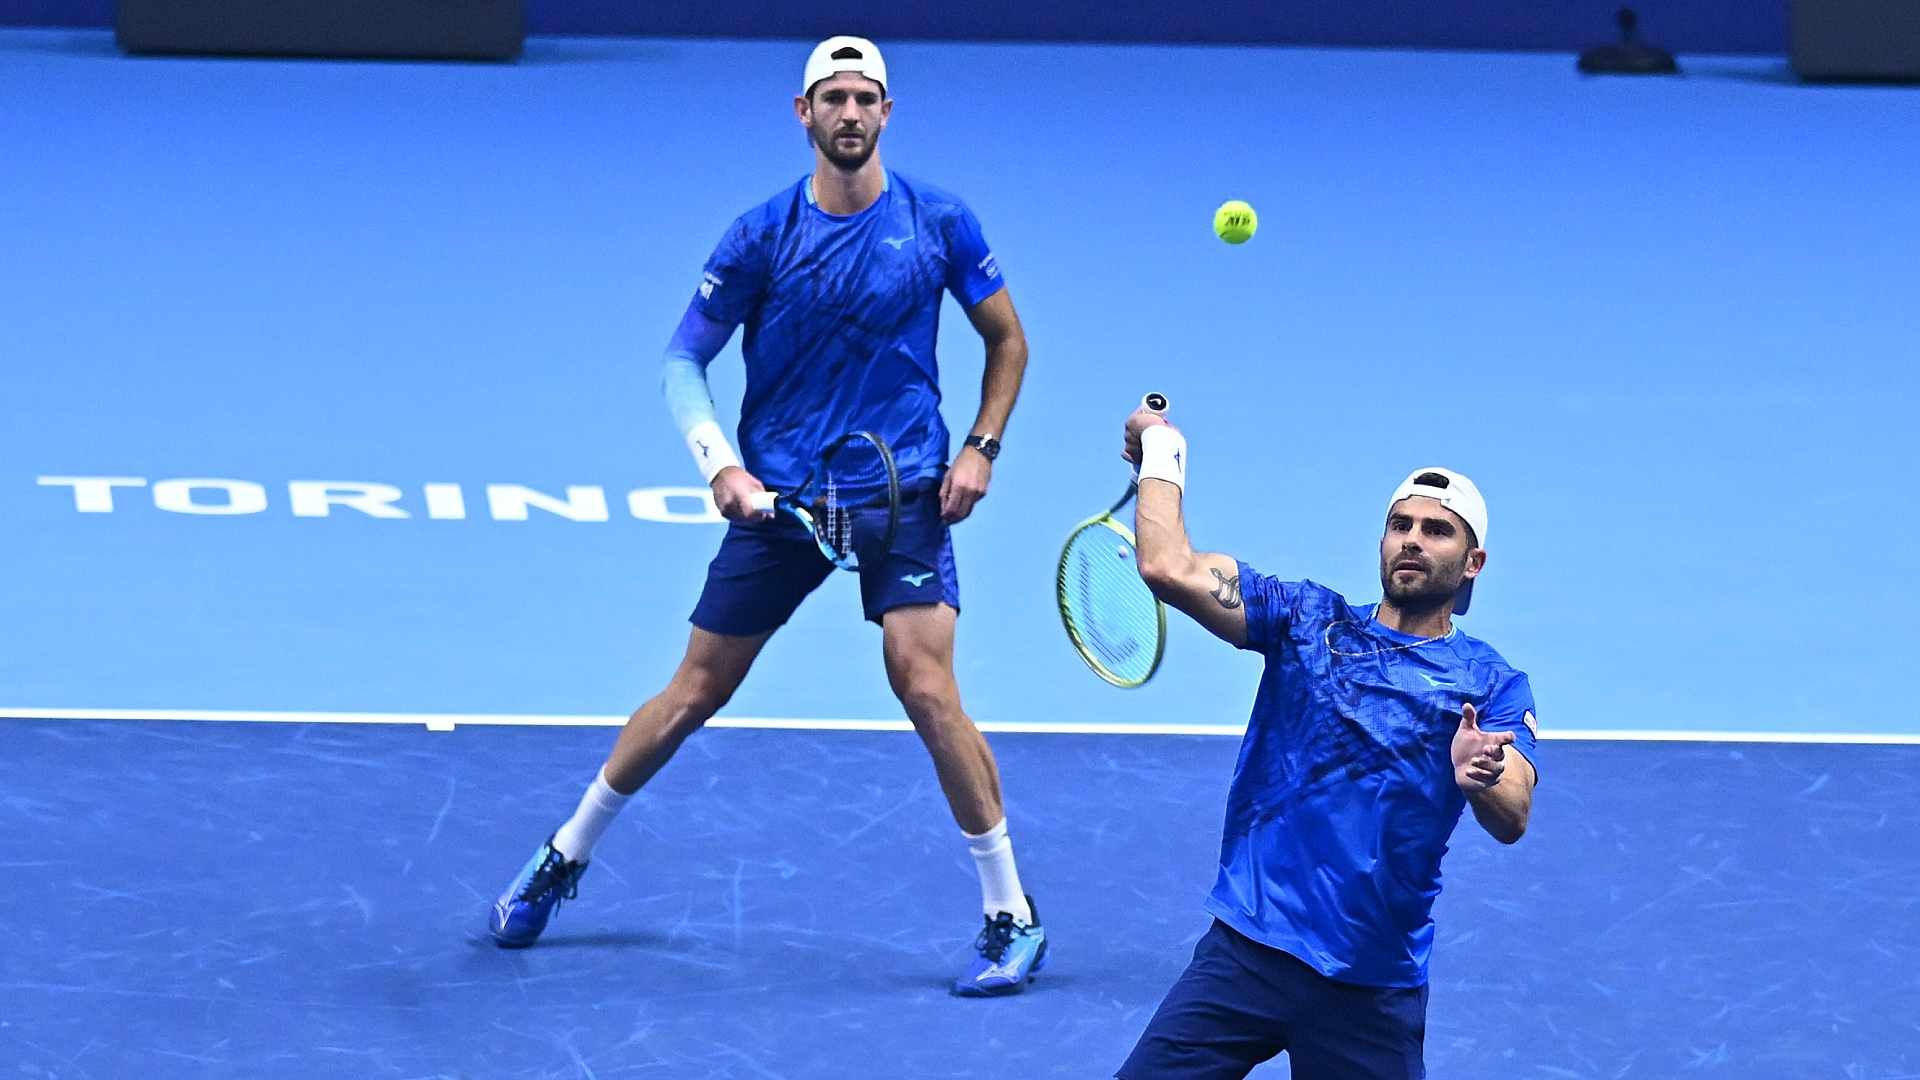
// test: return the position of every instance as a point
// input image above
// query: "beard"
(845, 159)
(1427, 592)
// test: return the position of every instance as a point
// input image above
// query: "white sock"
(598, 807)
(999, 880)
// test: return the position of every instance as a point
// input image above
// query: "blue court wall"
(1666, 324)
(1729, 26)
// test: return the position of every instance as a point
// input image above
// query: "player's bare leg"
(918, 644)
(709, 673)
(713, 668)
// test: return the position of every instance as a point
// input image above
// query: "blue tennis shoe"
(1009, 953)
(517, 918)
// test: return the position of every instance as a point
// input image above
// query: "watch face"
(989, 447)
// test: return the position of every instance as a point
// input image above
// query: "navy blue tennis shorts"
(1240, 1003)
(762, 571)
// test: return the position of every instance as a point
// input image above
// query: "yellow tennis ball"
(1235, 221)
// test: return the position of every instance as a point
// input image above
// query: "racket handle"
(761, 501)
(1155, 403)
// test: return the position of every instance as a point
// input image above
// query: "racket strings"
(1113, 616)
(857, 501)
(839, 519)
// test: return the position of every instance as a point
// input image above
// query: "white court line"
(449, 721)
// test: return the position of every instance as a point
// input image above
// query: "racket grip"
(1155, 403)
(761, 501)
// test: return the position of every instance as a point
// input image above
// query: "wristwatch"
(988, 446)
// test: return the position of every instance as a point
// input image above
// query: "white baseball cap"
(1457, 493)
(844, 53)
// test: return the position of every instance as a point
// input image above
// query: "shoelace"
(996, 936)
(553, 874)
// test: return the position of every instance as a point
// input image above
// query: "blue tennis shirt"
(1343, 798)
(842, 316)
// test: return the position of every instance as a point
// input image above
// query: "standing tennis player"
(1374, 727)
(838, 280)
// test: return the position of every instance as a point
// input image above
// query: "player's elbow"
(1162, 573)
(1006, 339)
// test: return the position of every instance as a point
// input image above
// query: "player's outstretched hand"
(965, 484)
(733, 492)
(1138, 421)
(1479, 757)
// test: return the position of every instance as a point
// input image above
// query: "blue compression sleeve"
(683, 374)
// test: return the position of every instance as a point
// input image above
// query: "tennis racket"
(851, 502)
(1114, 621)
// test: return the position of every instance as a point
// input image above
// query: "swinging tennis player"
(1374, 727)
(838, 280)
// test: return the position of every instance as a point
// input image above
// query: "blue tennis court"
(344, 520)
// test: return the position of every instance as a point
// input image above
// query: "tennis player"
(1374, 727)
(838, 280)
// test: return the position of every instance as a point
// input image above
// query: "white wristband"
(1163, 455)
(710, 448)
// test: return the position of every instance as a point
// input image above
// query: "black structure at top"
(1631, 56)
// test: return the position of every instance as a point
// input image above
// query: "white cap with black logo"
(844, 53)
(1457, 493)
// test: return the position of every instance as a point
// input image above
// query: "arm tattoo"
(1229, 591)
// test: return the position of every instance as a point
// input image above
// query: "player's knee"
(696, 695)
(929, 700)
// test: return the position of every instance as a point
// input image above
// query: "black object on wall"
(1856, 39)
(1630, 56)
(427, 29)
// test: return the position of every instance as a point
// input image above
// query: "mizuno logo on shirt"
(896, 243)
(916, 580)
(1431, 681)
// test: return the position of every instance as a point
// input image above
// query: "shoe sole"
(999, 991)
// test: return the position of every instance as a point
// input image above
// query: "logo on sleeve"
(1531, 725)
(708, 283)
(990, 266)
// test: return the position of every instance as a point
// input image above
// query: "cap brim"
(1463, 597)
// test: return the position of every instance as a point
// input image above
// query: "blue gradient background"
(1667, 325)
